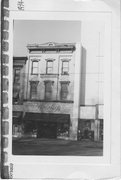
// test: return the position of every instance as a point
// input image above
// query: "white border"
(75, 166)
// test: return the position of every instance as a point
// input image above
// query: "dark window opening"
(33, 90)
(64, 90)
(17, 75)
(48, 90)
(16, 97)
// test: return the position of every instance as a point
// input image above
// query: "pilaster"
(76, 106)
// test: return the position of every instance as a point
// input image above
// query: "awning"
(47, 117)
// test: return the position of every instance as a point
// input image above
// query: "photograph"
(58, 88)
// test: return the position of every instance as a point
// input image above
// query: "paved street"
(56, 147)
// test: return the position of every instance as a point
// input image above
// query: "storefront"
(17, 124)
(47, 125)
(90, 129)
(86, 129)
(101, 129)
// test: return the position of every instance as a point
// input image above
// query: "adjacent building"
(48, 94)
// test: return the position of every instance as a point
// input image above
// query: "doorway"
(47, 130)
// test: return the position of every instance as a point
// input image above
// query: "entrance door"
(85, 131)
(47, 130)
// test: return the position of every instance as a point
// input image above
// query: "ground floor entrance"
(86, 129)
(47, 125)
(90, 129)
(47, 130)
(55, 126)
(17, 129)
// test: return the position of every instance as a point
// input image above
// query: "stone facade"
(48, 81)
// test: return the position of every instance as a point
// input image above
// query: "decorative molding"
(34, 81)
(20, 5)
(20, 58)
(49, 107)
(65, 59)
(65, 82)
(52, 46)
(35, 59)
(50, 59)
(46, 81)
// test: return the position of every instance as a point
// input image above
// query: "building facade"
(47, 94)
(19, 64)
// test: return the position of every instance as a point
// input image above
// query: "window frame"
(15, 75)
(50, 60)
(62, 69)
(35, 84)
(33, 61)
(45, 97)
(67, 83)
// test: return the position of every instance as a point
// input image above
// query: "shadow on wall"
(83, 76)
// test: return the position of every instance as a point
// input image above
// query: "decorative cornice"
(20, 58)
(19, 61)
(52, 46)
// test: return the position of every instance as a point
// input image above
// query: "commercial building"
(49, 92)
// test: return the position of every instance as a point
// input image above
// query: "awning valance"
(47, 117)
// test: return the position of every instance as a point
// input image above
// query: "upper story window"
(64, 90)
(17, 75)
(16, 95)
(33, 89)
(48, 90)
(49, 67)
(65, 67)
(34, 67)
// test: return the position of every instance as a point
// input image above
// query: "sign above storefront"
(49, 107)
